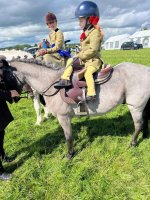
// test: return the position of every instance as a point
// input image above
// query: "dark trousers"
(2, 133)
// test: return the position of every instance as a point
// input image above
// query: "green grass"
(103, 168)
(114, 57)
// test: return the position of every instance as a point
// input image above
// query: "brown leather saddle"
(77, 92)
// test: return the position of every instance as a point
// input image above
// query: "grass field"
(103, 168)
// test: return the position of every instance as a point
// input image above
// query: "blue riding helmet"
(87, 9)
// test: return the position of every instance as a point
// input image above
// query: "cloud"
(23, 21)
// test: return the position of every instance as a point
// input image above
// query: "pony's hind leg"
(137, 116)
(65, 123)
(146, 117)
(145, 127)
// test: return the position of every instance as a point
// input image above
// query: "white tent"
(115, 42)
(141, 37)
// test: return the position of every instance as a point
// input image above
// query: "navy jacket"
(5, 114)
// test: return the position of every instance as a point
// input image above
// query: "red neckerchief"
(82, 36)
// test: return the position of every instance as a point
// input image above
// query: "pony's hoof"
(69, 156)
(38, 124)
(45, 119)
(132, 144)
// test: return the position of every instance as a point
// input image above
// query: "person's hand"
(14, 93)
(75, 57)
(40, 45)
(42, 52)
(47, 43)
(78, 49)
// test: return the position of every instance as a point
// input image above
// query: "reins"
(50, 95)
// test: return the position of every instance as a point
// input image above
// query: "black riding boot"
(91, 98)
(62, 84)
(3, 174)
(1, 167)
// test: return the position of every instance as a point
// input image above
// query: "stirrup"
(82, 109)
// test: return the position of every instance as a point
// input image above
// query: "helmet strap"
(87, 25)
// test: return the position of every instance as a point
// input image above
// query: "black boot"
(5, 157)
(1, 167)
(8, 158)
(62, 84)
(91, 98)
(3, 174)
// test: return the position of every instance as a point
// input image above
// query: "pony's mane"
(42, 63)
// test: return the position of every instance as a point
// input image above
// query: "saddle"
(77, 92)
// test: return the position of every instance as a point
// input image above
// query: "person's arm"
(95, 41)
(5, 95)
(8, 95)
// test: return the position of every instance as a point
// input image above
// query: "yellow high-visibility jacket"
(55, 37)
(90, 48)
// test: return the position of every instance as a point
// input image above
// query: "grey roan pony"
(130, 83)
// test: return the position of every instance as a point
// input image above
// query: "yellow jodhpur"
(90, 70)
(68, 71)
(54, 58)
(88, 77)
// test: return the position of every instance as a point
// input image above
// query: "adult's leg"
(2, 152)
(3, 155)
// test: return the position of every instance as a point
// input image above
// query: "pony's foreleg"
(65, 122)
(137, 116)
(36, 102)
(46, 113)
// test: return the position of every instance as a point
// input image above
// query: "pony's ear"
(2, 57)
(5, 63)
(1, 60)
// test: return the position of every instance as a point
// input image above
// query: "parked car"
(131, 46)
(140, 46)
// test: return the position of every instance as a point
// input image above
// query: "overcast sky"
(23, 21)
